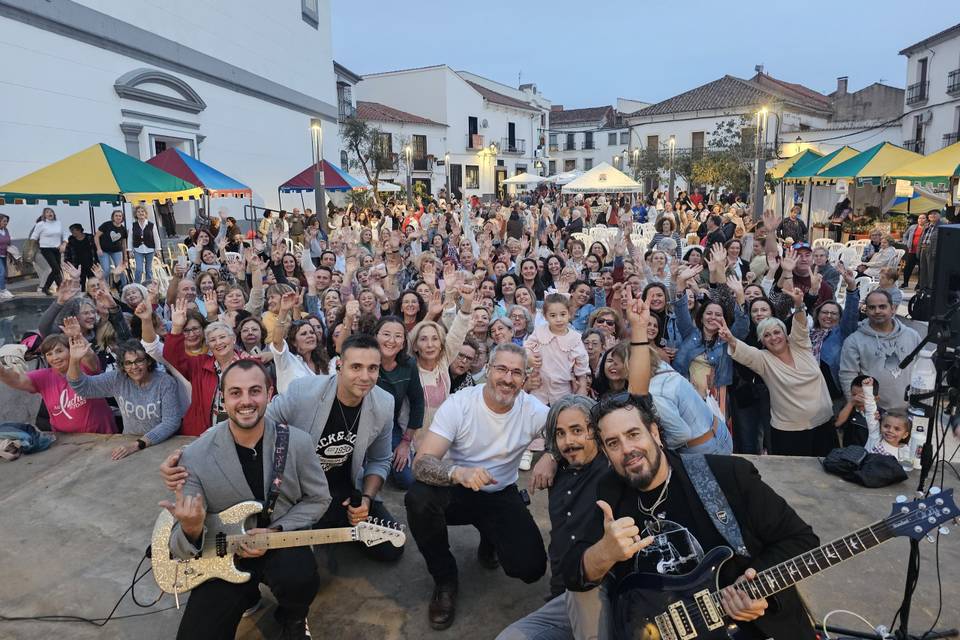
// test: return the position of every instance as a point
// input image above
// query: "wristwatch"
(141, 444)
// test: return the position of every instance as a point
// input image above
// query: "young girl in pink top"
(563, 360)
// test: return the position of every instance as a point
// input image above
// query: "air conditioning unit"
(483, 124)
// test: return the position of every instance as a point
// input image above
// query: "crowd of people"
(438, 347)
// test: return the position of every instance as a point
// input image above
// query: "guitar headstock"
(375, 531)
(915, 518)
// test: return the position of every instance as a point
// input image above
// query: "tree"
(366, 150)
(724, 163)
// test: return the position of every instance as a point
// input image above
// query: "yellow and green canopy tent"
(98, 174)
(871, 165)
(938, 168)
(809, 170)
(780, 169)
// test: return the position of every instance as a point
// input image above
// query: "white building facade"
(579, 139)
(138, 76)
(932, 101)
(490, 135)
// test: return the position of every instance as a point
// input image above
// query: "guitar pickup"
(708, 609)
(681, 621)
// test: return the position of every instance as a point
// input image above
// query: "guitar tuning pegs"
(930, 538)
(901, 499)
(944, 531)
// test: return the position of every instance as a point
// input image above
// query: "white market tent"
(603, 178)
(383, 186)
(524, 178)
(565, 177)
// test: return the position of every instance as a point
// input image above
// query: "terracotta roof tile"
(383, 113)
(588, 114)
(498, 98)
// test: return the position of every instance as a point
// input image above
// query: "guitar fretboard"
(285, 539)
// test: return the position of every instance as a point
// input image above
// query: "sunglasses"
(610, 322)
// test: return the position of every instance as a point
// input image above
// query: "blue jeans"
(144, 262)
(107, 260)
(3, 272)
(402, 479)
(721, 444)
(567, 616)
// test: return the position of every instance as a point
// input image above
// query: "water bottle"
(923, 381)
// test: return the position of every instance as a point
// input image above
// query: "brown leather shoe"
(443, 606)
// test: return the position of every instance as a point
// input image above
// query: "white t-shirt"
(481, 438)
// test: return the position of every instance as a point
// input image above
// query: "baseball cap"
(802, 245)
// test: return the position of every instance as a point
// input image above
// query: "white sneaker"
(5, 294)
(526, 461)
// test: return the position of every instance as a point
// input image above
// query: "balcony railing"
(423, 164)
(953, 82)
(661, 157)
(914, 145)
(389, 164)
(347, 110)
(918, 92)
(474, 141)
(588, 144)
(517, 145)
(569, 145)
(951, 138)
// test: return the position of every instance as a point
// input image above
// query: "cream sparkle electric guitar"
(225, 531)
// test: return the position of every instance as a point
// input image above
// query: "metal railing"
(347, 110)
(569, 146)
(588, 144)
(553, 147)
(391, 164)
(951, 138)
(953, 82)
(474, 141)
(517, 145)
(423, 164)
(914, 145)
(918, 92)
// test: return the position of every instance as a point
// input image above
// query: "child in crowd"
(888, 283)
(888, 435)
(852, 422)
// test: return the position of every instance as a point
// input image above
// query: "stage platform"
(74, 525)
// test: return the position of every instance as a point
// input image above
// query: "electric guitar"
(226, 530)
(654, 607)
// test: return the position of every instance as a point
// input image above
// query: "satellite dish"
(483, 123)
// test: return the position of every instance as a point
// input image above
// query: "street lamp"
(760, 165)
(408, 152)
(446, 165)
(319, 192)
(673, 175)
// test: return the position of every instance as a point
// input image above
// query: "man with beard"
(231, 463)
(651, 518)
(571, 440)
(466, 471)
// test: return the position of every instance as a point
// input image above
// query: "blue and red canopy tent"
(214, 183)
(334, 179)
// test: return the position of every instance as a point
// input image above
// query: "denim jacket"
(693, 345)
(832, 341)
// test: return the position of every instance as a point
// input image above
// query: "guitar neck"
(788, 573)
(286, 539)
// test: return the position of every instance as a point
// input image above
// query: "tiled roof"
(575, 116)
(498, 98)
(935, 38)
(726, 92)
(383, 113)
(797, 91)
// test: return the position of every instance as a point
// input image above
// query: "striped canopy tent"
(921, 201)
(780, 169)
(871, 165)
(937, 169)
(809, 170)
(98, 174)
(214, 183)
(334, 179)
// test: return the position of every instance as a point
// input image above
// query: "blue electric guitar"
(663, 607)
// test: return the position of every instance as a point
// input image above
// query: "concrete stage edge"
(75, 524)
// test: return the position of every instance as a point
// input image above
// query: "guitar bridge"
(681, 621)
(708, 609)
(665, 627)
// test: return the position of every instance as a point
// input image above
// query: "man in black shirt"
(714, 232)
(651, 519)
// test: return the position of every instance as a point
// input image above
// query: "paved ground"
(75, 525)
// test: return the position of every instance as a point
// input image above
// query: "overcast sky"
(588, 53)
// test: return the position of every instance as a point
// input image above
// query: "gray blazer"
(307, 404)
(214, 472)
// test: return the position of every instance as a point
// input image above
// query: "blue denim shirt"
(833, 342)
(579, 320)
(683, 413)
(693, 345)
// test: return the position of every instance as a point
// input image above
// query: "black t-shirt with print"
(335, 448)
(111, 237)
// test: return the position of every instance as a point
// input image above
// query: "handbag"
(30, 247)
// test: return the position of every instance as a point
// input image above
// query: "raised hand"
(849, 277)
(435, 308)
(288, 302)
(97, 271)
(718, 257)
(788, 261)
(466, 293)
(68, 289)
(353, 309)
(723, 333)
(689, 273)
(737, 287)
(104, 300)
(71, 328)
(178, 315)
(70, 272)
(210, 302)
(797, 296)
(816, 279)
(143, 311)
(188, 510)
(79, 348)
(770, 220)
(621, 537)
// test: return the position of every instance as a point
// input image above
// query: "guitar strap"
(279, 463)
(714, 501)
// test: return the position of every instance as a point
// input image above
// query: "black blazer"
(772, 532)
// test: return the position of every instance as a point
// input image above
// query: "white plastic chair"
(858, 243)
(822, 242)
(851, 256)
(835, 250)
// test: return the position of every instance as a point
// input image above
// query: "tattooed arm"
(429, 467)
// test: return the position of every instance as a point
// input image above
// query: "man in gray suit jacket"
(234, 462)
(350, 420)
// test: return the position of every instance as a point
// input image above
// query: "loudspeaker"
(946, 277)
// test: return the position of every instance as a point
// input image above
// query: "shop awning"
(524, 178)
(214, 183)
(334, 179)
(780, 169)
(98, 174)
(810, 169)
(938, 168)
(871, 165)
(603, 178)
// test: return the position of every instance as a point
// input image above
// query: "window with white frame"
(471, 177)
(612, 139)
(310, 12)
(624, 137)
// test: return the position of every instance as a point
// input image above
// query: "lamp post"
(446, 166)
(673, 175)
(408, 154)
(760, 165)
(493, 169)
(319, 192)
